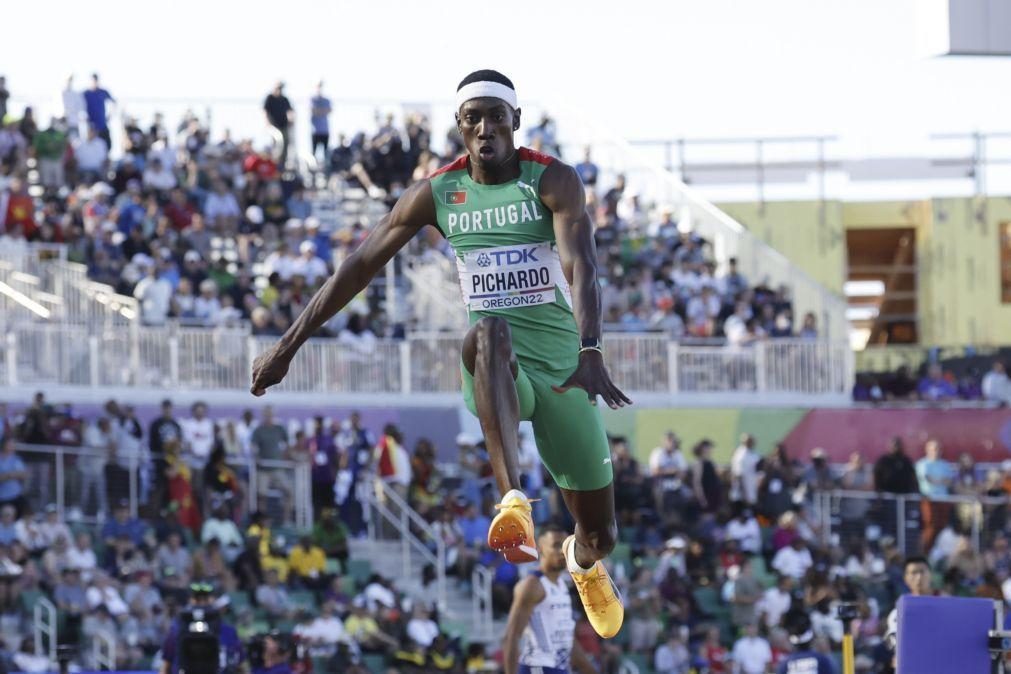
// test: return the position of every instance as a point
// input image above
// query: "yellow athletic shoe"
(598, 593)
(512, 530)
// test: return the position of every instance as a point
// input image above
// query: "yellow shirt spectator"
(279, 564)
(307, 561)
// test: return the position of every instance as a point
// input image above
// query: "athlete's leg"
(596, 530)
(488, 355)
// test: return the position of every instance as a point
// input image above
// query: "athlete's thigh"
(524, 391)
(570, 435)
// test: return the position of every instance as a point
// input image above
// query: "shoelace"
(591, 583)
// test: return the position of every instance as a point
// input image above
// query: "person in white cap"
(308, 265)
(527, 261)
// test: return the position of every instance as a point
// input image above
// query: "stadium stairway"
(457, 611)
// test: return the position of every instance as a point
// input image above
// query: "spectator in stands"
(587, 170)
(776, 601)
(320, 120)
(894, 472)
(173, 556)
(935, 387)
(668, 468)
(818, 477)
(793, 560)
(96, 100)
(280, 115)
(474, 525)
(272, 597)
(672, 657)
(745, 530)
(123, 526)
(705, 480)
(13, 474)
(8, 525)
(330, 534)
(100, 440)
(154, 293)
(72, 601)
(5, 95)
(751, 653)
(198, 437)
(308, 265)
(421, 629)
(308, 565)
(393, 465)
(91, 154)
(744, 472)
(935, 477)
(363, 628)
(809, 330)
(82, 556)
(996, 385)
(219, 526)
(745, 593)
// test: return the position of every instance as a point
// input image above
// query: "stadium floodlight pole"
(848, 612)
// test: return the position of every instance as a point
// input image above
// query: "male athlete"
(542, 615)
(518, 223)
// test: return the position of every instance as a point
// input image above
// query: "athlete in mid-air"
(540, 634)
(517, 221)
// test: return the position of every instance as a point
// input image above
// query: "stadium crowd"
(213, 231)
(713, 559)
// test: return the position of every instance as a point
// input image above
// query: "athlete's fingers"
(620, 395)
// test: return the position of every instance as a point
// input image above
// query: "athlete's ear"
(459, 127)
(516, 119)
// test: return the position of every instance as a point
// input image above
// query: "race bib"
(509, 277)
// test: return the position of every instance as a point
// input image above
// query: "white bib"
(509, 277)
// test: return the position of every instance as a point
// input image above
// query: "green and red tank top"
(507, 258)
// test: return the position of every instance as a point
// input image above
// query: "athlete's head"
(916, 574)
(549, 547)
(487, 116)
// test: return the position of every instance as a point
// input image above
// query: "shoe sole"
(508, 536)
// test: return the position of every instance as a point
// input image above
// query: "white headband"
(483, 90)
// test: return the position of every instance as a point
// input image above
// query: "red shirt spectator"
(179, 211)
(260, 164)
(20, 213)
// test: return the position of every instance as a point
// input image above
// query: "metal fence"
(847, 518)
(83, 483)
(177, 357)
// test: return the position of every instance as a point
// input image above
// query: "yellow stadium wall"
(958, 256)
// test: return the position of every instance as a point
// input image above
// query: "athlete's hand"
(591, 376)
(268, 369)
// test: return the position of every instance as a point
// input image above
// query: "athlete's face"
(549, 546)
(917, 577)
(487, 126)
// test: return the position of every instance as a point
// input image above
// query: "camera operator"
(271, 654)
(199, 624)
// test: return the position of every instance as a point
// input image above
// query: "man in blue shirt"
(587, 170)
(230, 654)
(122, 526)
(321, 109)
(95, 99)
(474, 526)
(276, 651)
(935, 477)
(13, 474)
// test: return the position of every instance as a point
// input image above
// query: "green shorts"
(568, 430)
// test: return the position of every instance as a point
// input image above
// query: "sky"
(642, 69)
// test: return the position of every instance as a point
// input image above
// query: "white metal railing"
(176, 357)
(482, 617)
(44, 628)
(846, 515)
(71, 476)
(401, 520)
(103, 651)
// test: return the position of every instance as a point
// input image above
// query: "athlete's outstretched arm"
(413, 210)
(527, 594)
(562, 192)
